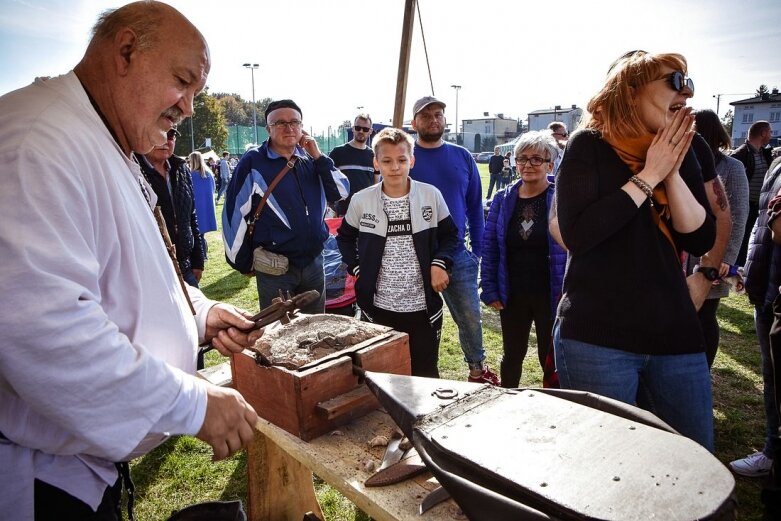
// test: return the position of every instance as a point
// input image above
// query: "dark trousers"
(494, 181)
(516, 318)
(52, 503)
(775, 362)
(423, 338)
(753, 213)
(710, 328)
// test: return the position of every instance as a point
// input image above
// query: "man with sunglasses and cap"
(286, 248)
(453, 171)
(355, 159)
(170, 178)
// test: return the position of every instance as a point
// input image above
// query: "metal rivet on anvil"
(445, 393)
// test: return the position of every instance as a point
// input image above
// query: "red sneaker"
(487, 377)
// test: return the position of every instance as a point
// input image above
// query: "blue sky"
(509, 57)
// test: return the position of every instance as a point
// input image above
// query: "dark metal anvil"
(547, 454)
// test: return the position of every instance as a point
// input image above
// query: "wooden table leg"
(279, 487)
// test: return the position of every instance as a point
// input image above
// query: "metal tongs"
(283, 308)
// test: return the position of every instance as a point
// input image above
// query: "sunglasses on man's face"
(171, 134)
(362, 129)
(678, 81)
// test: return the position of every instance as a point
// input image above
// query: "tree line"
(213, 114)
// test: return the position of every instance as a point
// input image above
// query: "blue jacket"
(494, 272)
(291, 223)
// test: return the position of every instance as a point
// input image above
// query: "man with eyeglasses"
(355, 159)
(452, 169)
(559, 132)
(170, 178)
(285, 250)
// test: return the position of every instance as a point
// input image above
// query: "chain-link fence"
(240, 138)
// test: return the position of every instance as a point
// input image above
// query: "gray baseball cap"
(424, 102)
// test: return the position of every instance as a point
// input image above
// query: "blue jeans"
(296, 280)
(464, 305)
(676, 388)
(763, 318)
(223, 188)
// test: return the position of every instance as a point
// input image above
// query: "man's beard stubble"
(430, 137)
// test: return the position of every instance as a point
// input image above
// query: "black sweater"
(624, 287)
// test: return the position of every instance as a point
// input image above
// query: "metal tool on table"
(544, 454)
(435, 497)
(393, 452)
(408, 467)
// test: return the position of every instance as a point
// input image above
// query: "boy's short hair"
(392, 136)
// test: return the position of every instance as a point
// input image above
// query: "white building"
(493, 131)
(540, 119)
(766, 107)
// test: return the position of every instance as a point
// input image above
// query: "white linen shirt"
(99, 345)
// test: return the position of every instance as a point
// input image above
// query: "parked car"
(484, 157)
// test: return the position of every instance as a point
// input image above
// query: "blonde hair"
(392, 136)
(198, 164)
(613, 110)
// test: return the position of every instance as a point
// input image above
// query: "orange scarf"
(632, 151)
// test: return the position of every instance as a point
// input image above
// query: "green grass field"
(180, 472)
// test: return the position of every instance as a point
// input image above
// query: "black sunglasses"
(171, 134)
(362, 129)
(678, 81)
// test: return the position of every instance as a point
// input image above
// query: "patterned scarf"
(632, 152)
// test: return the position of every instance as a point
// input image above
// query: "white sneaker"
(752, 466)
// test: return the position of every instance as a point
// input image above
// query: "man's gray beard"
(430, 138)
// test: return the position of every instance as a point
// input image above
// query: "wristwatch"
(712, 274)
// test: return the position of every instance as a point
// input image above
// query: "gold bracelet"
(645, 187)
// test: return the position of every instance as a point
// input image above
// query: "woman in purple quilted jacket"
(522, 266)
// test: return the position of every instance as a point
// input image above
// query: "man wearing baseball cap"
(453, 171)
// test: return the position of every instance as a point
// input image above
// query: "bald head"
(143, 67)
(145, 19)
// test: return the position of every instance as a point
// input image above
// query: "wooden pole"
(404, 53)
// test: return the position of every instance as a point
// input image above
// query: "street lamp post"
(252, 67)
(718, 98)
(457, 87)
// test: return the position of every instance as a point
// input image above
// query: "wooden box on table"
(321, 395)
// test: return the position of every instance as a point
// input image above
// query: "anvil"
(545, 454)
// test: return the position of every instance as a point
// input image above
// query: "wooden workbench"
(280, 467)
